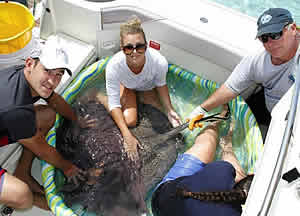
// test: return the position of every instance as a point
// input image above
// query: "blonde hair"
(132, 26)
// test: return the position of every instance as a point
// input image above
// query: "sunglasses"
(139, 48)
(274, 36)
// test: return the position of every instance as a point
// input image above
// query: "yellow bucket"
(16, 23)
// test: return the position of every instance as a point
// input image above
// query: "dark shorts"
(2, 171)
(257, 104)
(216, 176)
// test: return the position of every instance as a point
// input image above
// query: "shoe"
(6, 211)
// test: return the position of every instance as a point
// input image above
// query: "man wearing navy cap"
(272, 68)
(22, 121)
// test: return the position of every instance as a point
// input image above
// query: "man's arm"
(61, 106)
(240, 79)
(38, 145)
(221, 96)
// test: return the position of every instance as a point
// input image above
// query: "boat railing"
(276, 175)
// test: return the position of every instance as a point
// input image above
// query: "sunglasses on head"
(140, 48)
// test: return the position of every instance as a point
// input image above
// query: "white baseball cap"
(52, 55)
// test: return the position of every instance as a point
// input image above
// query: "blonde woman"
(136, 68)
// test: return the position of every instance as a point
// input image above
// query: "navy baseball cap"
(273, 20)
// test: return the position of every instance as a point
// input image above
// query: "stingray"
(116, 185)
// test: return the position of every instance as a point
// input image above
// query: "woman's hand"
(174, 118)
(130, 145)
(74, 174)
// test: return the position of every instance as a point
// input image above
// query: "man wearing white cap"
(22, 121)
(271, 68)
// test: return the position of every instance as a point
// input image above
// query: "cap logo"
(60, 52)
(35, 53)
(265, 19)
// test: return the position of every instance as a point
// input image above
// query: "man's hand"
(130, 146)
(87, 122)
(194, 116)
(174, 118)
(74, 174)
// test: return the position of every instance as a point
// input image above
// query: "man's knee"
(45, 117)
(15, 193)
(24, 198)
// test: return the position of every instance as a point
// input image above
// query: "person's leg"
(15, 193)
(23, 171)
(257, 104)
(129, 105)
(228, 154)
(197, 156)
(206, 143)
(45, 118)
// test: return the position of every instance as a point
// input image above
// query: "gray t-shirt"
(276, 79)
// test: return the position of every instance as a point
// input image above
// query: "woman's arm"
(163, 93)
(130, 142)
(173, 117)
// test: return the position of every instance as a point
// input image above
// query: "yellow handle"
(192, 124)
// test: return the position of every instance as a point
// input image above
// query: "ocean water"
(256, 7)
